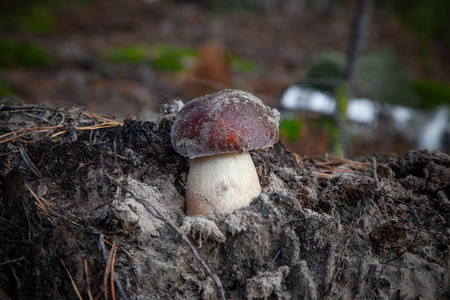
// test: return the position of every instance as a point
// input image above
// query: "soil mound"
(93, 206)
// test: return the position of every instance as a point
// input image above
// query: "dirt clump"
(84, 197)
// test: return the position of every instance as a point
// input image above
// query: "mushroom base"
(227, 182)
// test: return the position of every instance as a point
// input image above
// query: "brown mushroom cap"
(223, 122)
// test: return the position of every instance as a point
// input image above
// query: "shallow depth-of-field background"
(126, 58)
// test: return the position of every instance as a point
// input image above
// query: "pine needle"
(71, 279)
(87, 279)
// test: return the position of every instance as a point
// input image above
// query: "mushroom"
(217, 131)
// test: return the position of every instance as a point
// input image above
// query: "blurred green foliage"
(169, 57)
(339, 135)
(160, 56)
(243, 65)
(325, 71)
(328, 125)
(32, 16)
(134, 54)
(432, 93)
(290, 128)
(5, 90)
(429, 19)
(41, 20)
(384, 77)
(341, 95)
(22, 54)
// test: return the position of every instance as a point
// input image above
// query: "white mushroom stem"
(221, 183)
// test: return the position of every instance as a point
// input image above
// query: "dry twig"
(123, 250)
(327, 167)
(13, 135)
(28, 161)
(339, 269)
(106, 259)
(203, 198)
(12, 261)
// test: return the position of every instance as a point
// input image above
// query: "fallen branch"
(28, 161)
(12, 261)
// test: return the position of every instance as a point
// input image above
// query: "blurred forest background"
(127, 58)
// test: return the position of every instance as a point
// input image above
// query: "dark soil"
(379, 234)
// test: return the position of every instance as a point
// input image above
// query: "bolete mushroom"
(217, 131)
